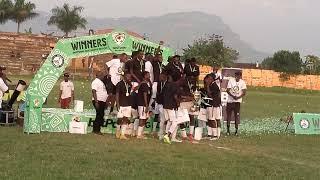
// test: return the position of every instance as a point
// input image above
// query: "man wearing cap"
(236, 89)
(66, 92)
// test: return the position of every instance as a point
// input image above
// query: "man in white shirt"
(236, 89)
(115, 70)
(148, 65)
(3, 88)
(66, 95)
(99, 99)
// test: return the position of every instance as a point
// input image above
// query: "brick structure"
(22, 53)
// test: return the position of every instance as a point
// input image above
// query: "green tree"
(284, 61)
(67, 19)
(5, 10)
(267, 63)
(211, 51)
(22, 11)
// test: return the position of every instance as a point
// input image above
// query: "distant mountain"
(176, 29)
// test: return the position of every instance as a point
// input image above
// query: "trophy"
(196, 101)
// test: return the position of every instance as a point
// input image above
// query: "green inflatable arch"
(116, 42)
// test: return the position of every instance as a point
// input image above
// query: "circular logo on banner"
(57, 61)
(119, 42)
(119, 37)
(76, 118)
(304, 124)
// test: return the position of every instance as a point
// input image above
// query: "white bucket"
(198, 133)
(78, 106)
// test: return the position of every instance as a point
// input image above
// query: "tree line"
(65, 18)
(291, 63)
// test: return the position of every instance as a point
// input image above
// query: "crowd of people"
(142, 86)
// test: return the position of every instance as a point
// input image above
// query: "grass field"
(264, 156)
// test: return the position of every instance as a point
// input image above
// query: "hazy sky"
(268, 25)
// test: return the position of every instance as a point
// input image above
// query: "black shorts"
(113, 89)
(109, 86)
(233, 112)
(134, 100)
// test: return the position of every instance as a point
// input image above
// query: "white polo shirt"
(236, 89)
(3, 89)
(66, 88)
(149, 68)
(101, 90)
(115, 65)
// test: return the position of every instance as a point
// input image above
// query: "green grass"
(65, 156)
(272, 156)
(275, 103)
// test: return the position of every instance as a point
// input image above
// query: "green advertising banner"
(306, 123)
(41, 85)
(152, 48)
(57, 120)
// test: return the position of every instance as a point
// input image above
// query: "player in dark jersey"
(206, 102)
(163, 78)
(214, 112)
(175, 69)
(144, 96)
(192, 71)
(135, 120)
(187, 88)
(171, 103)
(157, 70)
(137, 67)
(124, 103)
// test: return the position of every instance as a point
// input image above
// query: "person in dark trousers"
(99, 100)
(236, 89)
